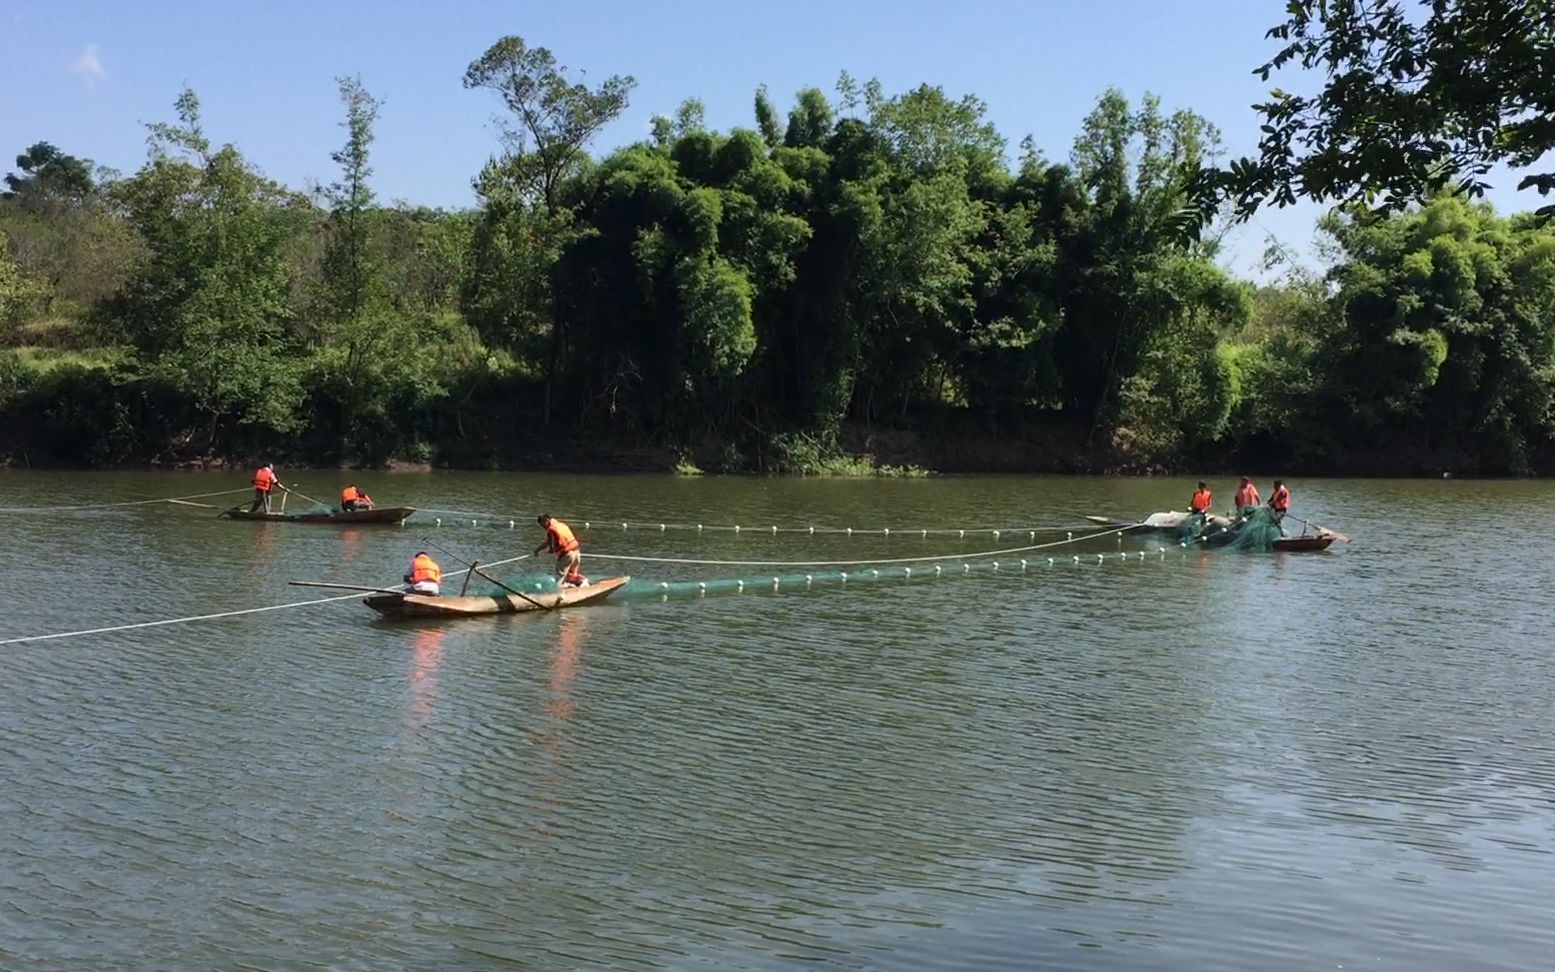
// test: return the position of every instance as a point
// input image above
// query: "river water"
(1189, 759)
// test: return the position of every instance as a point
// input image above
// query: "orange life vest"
(560, 536)
(424, 568)
(1280, 500)
(264, 479)
(1202, 498)
(1247, 496)
(349, 495)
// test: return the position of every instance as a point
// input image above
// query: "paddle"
(474, 569)
(289, 489)
(344, 587)
(1320, 529)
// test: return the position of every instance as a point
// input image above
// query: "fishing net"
(1258, 531)
(1191, 528)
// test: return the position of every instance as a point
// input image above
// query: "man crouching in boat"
(352, 498)
(560, 541)
(424, 576)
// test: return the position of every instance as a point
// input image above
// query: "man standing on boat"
(264, 481)
(1246, 497)
(1280, 501)
(424, 576)
(352, 498)
(560, 541)
(1202, 498)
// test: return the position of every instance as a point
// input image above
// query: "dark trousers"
(261, 498)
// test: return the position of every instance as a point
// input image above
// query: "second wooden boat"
(1305, 544)
(388, 515)
(443, 606)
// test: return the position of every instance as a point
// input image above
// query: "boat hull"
(1308, 544)
(428, 606)
(1155, 522)
(388, 516)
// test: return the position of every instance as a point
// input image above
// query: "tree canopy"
(1416, 98)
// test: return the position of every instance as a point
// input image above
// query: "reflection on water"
(426, 653)
(1213, 761)
(562, 658)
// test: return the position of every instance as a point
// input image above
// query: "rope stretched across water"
(498, 519)
(857, 563)
(220, 614)
(105, 506)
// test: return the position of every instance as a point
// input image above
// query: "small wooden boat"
(388, 515)
(1155, 522)
(1305, 544)
(409, 605)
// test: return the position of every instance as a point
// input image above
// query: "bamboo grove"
(847, 270)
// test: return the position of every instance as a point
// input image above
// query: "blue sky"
(88, 76)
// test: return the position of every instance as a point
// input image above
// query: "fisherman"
(560, 541)
(1280, 501)
(1246, 497)
(352, 498)
(264, 481)
(1202, 498)
(424, 576)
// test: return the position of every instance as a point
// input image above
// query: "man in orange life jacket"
(352, 498)
(1202, 498)
(1280, 501)
(1246, 496)
(560, 541)
(424, 576)
(264, 482)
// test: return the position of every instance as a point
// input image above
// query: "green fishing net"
(1191, 528)
(1258, 531)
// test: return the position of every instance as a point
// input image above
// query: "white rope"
(605, 524)
(220, 614)
(853, 563)
(104, 506)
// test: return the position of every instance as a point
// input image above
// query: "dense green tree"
(1447, 328)
(206, 310)
(1417, 97)
(752, 297)
(47, 175)
(553, 120)
(350, 272)
(64, 231)
(17, 292)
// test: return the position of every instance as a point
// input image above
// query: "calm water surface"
(1206, 760)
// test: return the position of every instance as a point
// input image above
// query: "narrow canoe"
(1307, 544)
(1155, 522)
(427, 606)
(1310, 543)
(386, 515)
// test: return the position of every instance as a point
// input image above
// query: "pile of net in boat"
(1191, 528)
(1258, 532)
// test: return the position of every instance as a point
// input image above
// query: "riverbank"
(955, 445)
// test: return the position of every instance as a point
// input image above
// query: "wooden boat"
(1305, 544)
(1155, 522)
(409, 605)
(388, 515)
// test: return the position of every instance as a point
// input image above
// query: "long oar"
(1321, 529)
(208, 506)
(344, 587)
(476, 570)
(288, 489)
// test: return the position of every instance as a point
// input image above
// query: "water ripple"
(1219, 761)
